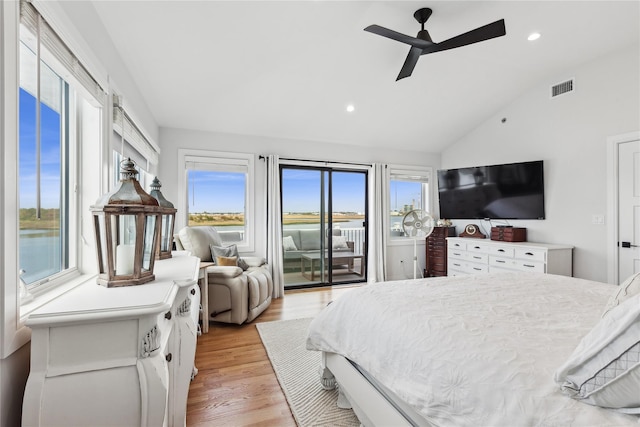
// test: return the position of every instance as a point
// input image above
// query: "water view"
(39, 254)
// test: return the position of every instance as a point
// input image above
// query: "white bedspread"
(474, 350)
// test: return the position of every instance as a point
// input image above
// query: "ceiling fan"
(422, 43)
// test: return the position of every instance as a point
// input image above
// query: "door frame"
(613, 142)
(331, 167)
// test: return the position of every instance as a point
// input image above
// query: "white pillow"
(626, 290)
(340, 242)
(604, 370)
(288, 244)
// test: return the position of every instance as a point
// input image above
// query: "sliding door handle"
(627, 245)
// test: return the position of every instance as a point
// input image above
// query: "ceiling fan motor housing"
(424, 35)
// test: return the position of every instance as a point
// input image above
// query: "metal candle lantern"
(168, 221)
(127, 226)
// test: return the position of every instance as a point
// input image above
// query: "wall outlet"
(597, 219)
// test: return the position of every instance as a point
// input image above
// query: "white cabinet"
(472, 256)
(115, 356)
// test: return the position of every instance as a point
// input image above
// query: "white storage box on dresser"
(115, 356)
(473, 256)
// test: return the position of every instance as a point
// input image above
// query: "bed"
(508, 349)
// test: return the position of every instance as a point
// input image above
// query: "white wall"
(570, 134)
(173, 139)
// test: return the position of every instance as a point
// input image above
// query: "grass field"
(222, 220)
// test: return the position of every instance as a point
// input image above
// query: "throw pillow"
(626, 290)
(340, 242)
(288, 244)
(228, 251)
(604, 370)
(227, 261)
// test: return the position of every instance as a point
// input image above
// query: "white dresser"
(116, 356)
(473, 256)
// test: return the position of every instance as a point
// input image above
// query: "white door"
(628, 209)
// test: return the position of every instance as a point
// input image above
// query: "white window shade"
(55, 50)
(217, 164)
(132, 135)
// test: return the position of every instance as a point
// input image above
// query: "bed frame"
(372, 404)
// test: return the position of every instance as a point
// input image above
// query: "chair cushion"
(197, 240)
(288, 244)
(227, 260)
(228, 251)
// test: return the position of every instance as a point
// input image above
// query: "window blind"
(131, 134)
(58, 50)
(217, 164)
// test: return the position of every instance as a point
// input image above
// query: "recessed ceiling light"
(533, 36)
(351, 108)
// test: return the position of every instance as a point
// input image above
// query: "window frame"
(86, 182)
(219, 159)
(423, 174)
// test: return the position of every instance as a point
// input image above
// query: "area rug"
(298, 372)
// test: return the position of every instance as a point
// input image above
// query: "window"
(218, 190)
(43, 176)
(58, 112)
(408, 190)
(128, 141)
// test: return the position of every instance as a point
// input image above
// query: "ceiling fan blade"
(409, 64)
(394, 35)
(489, 31)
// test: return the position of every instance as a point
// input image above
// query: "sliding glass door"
(324, 225)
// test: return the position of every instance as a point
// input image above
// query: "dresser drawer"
(455, 265)
(478, 257)
(457, 245)
(478, 247)
(536, 266)
(477, 268)
(532, 254)
(456, 253)
(496, 261)
(503, 251)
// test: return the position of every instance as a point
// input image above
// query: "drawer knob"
(528, 265)
(528, 253)
(500, 250)
(193, 291)
(167, 315)
(169, 357)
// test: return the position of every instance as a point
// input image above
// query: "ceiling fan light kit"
(422, 44)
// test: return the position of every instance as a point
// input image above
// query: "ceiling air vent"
(562, 88)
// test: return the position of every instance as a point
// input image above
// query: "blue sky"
(223, 192)
(216, 191)
(50, 154)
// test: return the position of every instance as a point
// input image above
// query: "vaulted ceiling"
(288, 69)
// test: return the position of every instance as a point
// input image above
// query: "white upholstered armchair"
(235, 295)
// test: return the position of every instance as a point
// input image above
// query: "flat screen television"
(508, 191)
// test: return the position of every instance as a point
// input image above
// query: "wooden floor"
(236, 385)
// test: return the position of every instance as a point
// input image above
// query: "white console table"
(116, 356)
(472, 256)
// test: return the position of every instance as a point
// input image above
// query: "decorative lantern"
(168, 221)
(127, 225)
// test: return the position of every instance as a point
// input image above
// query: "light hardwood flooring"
(236, 385)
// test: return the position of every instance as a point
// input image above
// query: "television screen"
(509, 191)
